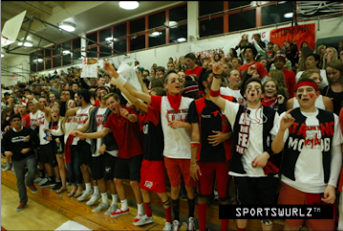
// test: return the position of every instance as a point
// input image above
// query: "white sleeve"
(276, 127)
(230, 111)
(336, 164)
(224, 91)
(297, 76)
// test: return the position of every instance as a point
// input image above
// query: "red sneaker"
(21, 207)
(120, 212)
(33, 188)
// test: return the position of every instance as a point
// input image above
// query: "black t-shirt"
(211, 120)
(337, 98)
(14, 141)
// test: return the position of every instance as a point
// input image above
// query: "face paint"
(311, 94)
(258, 91)
(300, 95)
(249, 90)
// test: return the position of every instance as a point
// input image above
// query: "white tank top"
(69, 125)
(33, 119)
(176, 141)
(82, 115)
(318, 104)
(42, 123)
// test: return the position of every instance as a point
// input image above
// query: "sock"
(225, 223)
(41, 173)
(96, 190)
(168, 215)
(240, 229)
(191, 207)
(104, 198)
(58, 180)
(114, 199)
(202, 208)
(148, 209)
(176, 209)
(88, 187)
(140, 209)
(124, 205)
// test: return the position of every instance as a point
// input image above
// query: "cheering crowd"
(269, 120)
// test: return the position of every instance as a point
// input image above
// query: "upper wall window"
(276, 13)
(211, 27)
(157, 20)
(94, 37)
(236, 4)
(178, 13)
(210, 7)
(242, 20)
(119, 30)
(137, 25)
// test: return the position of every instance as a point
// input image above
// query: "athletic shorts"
(256, 190)
(128, 168)
(85, 153)
(210, 171)
(153, 176)
(47, 154)
(110, 163)
(98, 167)
(176, 168)
(290, 195)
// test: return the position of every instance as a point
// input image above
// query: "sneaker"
(94, 199)
(190, 225)
(102, 206)
(48, 184)
(8, 167)
(57, 186)
(84, 195)
(43, 181)
(142, 220)
(176, 225)
(37, 180)
(167, 227)
(111, 209)
(120, 212)
(33, 188)
(21, 207)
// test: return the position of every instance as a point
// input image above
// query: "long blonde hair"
(279, 79)
(334, 57)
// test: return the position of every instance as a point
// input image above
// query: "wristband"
(121, 80)
(217, 76)
(193, 165)
(195, 144)
(214, 93)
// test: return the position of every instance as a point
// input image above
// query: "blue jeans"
(74, 171)
(19, 169)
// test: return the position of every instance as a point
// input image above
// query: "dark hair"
(301, 46)
(160, 68)
(316, 58)
(156, 83)
(147, 71)
(15, 116)
(190, 55)
(114, 95)
(72, 93)
(159, 91)
(202, 78)
(253, 80)
(165, 76)
(4, 112)
(234, 52)
(85, 94)
(254, 51)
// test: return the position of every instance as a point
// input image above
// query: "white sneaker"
(37, 180)
(43, 181)
(190, 225)
(84, 195)
(176, 225)
(111, 209)
(143, 220)
(8, 167)
(167, 227)
(94, 199)
(102, 206)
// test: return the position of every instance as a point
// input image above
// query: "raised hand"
(124, 112)
(110, 69)
(252, 69)
(217, 68)
(287, 120)
(280, 98)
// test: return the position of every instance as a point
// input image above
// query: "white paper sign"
(13, 80)
(90, 68)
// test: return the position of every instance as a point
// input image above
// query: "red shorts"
(153, 176)
(220, 170)
(176, 167)
(291, 196)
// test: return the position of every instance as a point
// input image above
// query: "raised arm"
(122, 81)
(93, 135)
(217, 69)
(285, 122)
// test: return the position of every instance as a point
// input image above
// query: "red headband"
(306, 83)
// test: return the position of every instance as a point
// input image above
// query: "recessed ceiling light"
(180, 40)
(129, 5)
(171, 23)
(288, 15)
(110, 39)
(26, 44)
(67, 26)
(155, 34)
(38, 60)
(2, 55)
(66, 52)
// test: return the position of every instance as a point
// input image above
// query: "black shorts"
(128, 168)
(85, 153)
(47, 154)
(98, 167)
(256, 190)
(110, 163)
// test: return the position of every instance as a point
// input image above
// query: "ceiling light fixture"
(38, 60)
(171, 23)
(66, 52)
(129, 5)
(155, 34)
(180, 40)
(26, 44)
(108, 39)
(288, 15)
(67, 26)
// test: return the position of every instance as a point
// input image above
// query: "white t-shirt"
(324, 82)
(82, 115)
(43, 124)
(69, 125)
(318, 104)
(33, 119)
(176, 141)
(254, 119)
(234, 93)
(309, 172)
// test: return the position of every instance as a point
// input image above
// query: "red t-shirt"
(25, 120)
(290, 81)
(261, 70)
(197, 71)
(126, 134)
